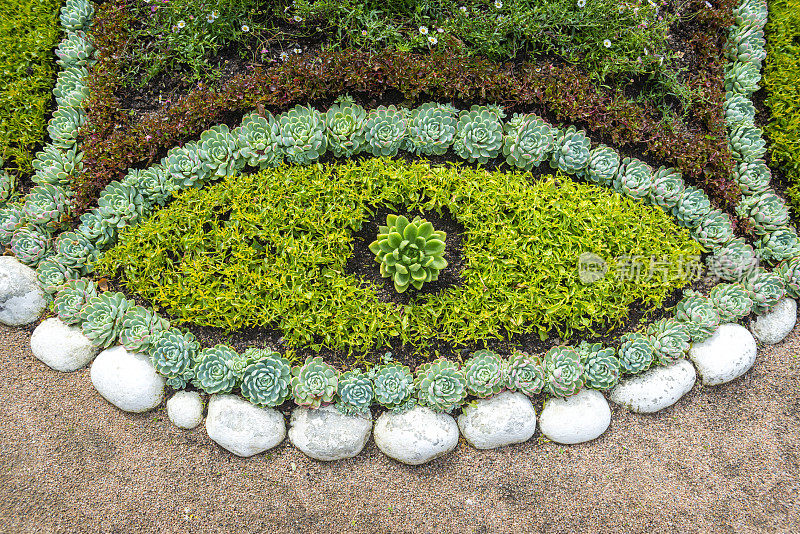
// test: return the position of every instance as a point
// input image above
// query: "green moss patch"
(271, 249)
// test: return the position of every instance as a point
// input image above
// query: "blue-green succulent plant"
(431, 129)
(97, 230)
(393, 385)
(525, 373)
(732, 261)
(747, 143)
(71, 299)
(479, 133)
(174, 355)
(355, 393)
(47, 204)
(698, 314)
(668, 188)
(302, 135)
(601, 366)
(789, 271)
(778, 245)
(216, 370)
(766, 289)
(739, 110)
(344, 127)
(217, 150)
(385, 130)
(634, 179)
(101, 318)
(76, 15)
(154, 183)
(121, 205)
(313, 383)
(267, 381)
(75, 50)
(57, 166)
(670, 340)
(715, 230)
(571, 151)
(140, 327)
(603, 165)
(485, 374)
(31, 244)
(691, 207)
(258, 141)
(53, 274)
(528, 141)
(752, 177)
(742, 77)
(766, 212)
(731, 302)
(186, 166)
(63, 127)
(76, 251)
(440, 385)
(563, 371)
(636, 353)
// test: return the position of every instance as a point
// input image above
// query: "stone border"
(129, 381)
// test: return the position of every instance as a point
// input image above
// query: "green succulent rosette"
(140, 327)
(766, 212)
(731, 302)
(746, 44)
(571, 153)
(76, 15)
(752, 177)
(47, 204)
(57, 166)
(64, 125)
(76, 251)
(715, 230)
(777, 246)
(121, 205)
(215, 372)
(636, 353)
(393, 385)
(410, 253)
(154, 183)
(698, 314)
(667, 188)
(97, 230)
(355, 393)
(173, 354)
(70, 90)
(385, 130)
(302, 135)
(431, 129)
(186, 166)
(747, 143)
(12, 218)
(670, 340)
(732, 261)
(563, 371)
(344, 127)
(258, 140)
(603, 165)
(7, 184)
(267, 381)
(634, 179)
(789, 271)
(101, 318)
(440, 385)
(751, 13)
(217, 150)
(485, 373)
(525, 373)
(527, 141)
(313, 383)
(766, 289)
(71, 299)
(52, 274)
(601, 367)
(479, 134)
(75, 50)
(742, 77)
(738, 110)
(691, 207)
(31, 244)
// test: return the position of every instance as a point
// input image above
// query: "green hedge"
(271, 249)
(782, 80)
(29, 31)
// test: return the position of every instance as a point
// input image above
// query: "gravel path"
(723, 459)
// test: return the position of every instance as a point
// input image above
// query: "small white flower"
(245, 28)
(433, 40)
(498, 4)
(215, 14)
(284, 56)
(297, 50)
(708, 4)
(297, 18)
(440, 30)
(607, 43)
(582, 4)
(463, 9)
(646, 52)
(423, 30)
(210, 19)
(181, 24)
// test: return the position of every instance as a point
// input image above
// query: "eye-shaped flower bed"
(302, 135)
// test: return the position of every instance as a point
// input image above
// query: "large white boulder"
(243, 428)
(501, 420)
(576, 419)
(21, 297)
(726, 355)
(185, 409)
(63, 348)
(776, 324)
(326, 434)
(127, 380)
(416, 436)
(655, 389)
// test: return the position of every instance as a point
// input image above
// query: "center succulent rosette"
(410, 253)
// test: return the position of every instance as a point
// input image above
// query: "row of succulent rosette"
(301, 136)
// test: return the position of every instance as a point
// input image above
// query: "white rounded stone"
(326, 434)
(416, 436)
(21, 297)
(576, 419)
(726, 355)
(63, 348)
(127, 380)
(501, 420)
(655, 389)
(776, 324)
(243, 428)
(185, 409)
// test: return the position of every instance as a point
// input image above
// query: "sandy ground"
(724, 459)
